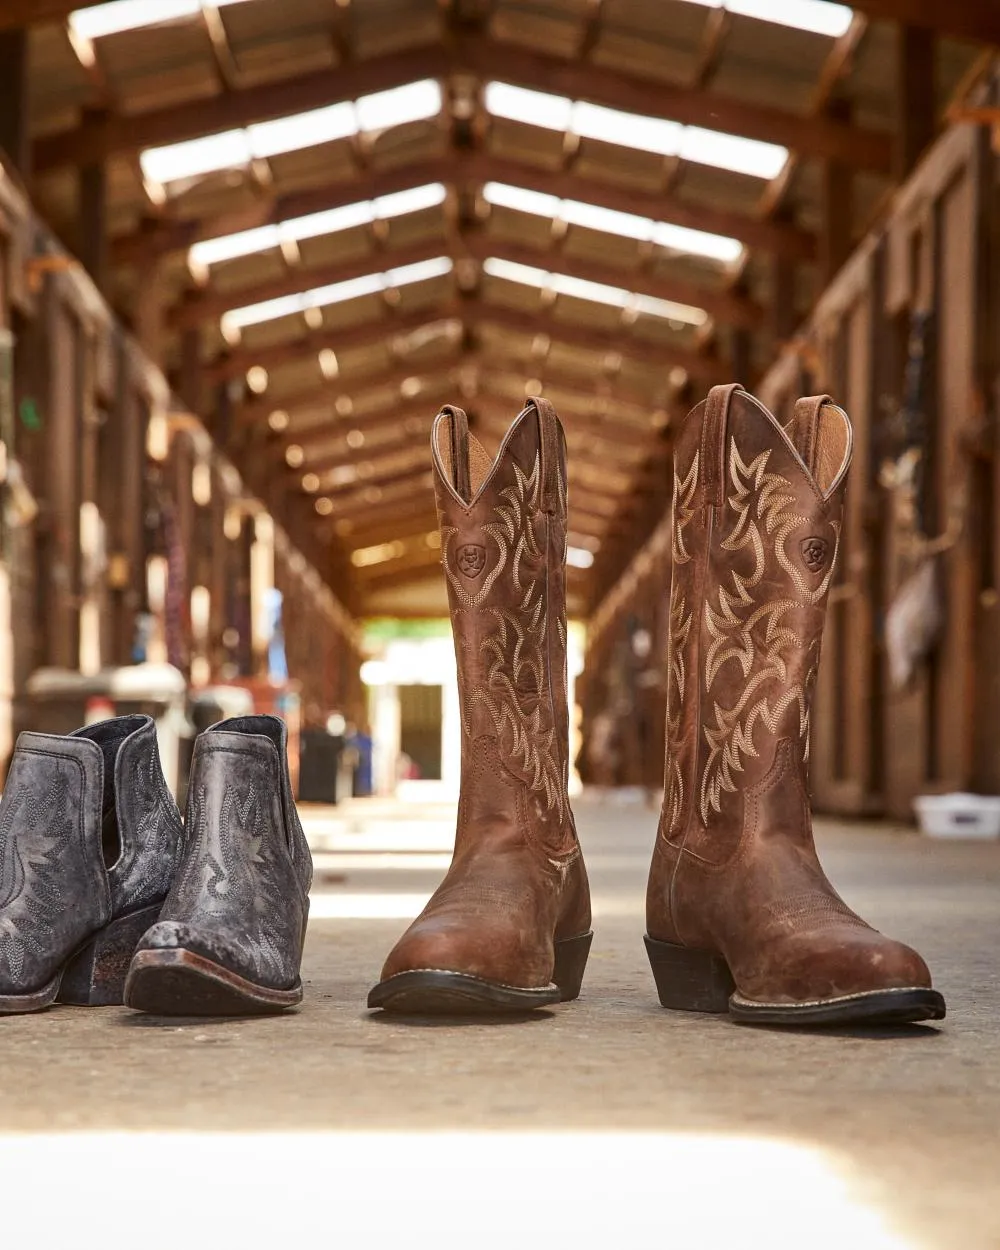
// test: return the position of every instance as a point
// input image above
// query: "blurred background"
(247, 248)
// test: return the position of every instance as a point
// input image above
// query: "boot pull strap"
(550, 438)
(713, 443)
(806, 418)
(459, 426)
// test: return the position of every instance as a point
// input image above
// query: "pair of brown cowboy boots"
(740, 915)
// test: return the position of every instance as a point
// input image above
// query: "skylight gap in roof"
(232, 149)
(598, 293)
(628, 225)
(99, 20)
(296, 229)
(645, 134)
(237, 319)
(820, 17)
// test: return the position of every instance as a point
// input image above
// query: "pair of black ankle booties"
(106, 896)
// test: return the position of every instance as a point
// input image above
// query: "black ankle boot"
(89, 839)
(229, 939)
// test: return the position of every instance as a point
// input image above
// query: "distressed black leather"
(240, 898)
(88, 833)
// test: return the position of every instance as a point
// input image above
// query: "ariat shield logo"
(471, 560)
(814, 553)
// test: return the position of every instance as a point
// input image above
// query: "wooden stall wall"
(907, 339)
(904, 338)
(118, 512)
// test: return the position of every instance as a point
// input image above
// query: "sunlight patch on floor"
(434, 1189)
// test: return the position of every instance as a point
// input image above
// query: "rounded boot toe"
(471, 951)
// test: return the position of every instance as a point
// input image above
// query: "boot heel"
(571, 961)
(95, 976)
(690, 980)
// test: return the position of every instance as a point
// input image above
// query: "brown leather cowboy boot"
(739, 913)
(509, 927)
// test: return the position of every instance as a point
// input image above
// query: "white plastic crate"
(958, 815)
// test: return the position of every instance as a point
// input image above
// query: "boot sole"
(94, 975)
(180, 983)
(438, 991)
(693, 980)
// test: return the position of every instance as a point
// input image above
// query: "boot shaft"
(755, 533)
(503, 550)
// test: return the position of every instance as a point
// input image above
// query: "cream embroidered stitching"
(514, 650)
(738, 625)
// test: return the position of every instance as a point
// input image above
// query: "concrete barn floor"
(608, 1121)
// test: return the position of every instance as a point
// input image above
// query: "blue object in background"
(277, 661)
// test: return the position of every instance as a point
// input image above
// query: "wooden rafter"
(630, 350)
(321, 393)
(179, 122)
(487, 59)
(725, 306)
(160, 237)
(835, 68)
(383, 329)
(866, 149)
(478, 316)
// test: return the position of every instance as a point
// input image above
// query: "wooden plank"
(956, 305)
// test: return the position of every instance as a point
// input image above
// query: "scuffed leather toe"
(212, 944)
(810, 968)
(497, 956)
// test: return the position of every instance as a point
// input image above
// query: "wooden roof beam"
(486, 58)
(725, 306)
(978, 20)
(159, 237)
(257, 411)
(385, 328)
(818, 137)
(664, 356)
(15, 13)
(478, 316)
(378, 515)
(179, 122)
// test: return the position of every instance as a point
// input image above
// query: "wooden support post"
(15, 139)
(148, 315)
(742, 355)
(92, 211)
(62, 484)
(784, 318)
(837, 207)
(190, 381)
(915, 98)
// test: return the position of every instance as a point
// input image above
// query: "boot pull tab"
(806, 423)
(459, 426)
(550, 438)
(713, 443)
